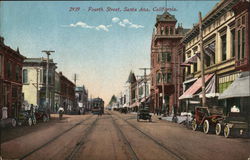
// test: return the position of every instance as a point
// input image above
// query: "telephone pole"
(48, 52)
(202, 62)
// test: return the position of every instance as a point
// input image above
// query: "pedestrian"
(60, 112)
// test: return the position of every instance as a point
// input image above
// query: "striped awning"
(189, 93)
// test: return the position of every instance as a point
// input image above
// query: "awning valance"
(239, 88)
(189, 93)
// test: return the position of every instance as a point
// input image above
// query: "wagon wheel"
(29, 121)
(206, 126)
(13, 122)
(227, 131)
(34, 121)
(194, 125)
(218, 129)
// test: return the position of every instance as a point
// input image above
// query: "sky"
(98, 45)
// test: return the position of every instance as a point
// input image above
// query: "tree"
(113, 100)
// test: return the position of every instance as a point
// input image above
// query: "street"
(119, 136)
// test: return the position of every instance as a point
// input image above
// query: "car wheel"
(44, 118)
(29, 121)
(13, 122)
(206, 126)
(218, 129)
(227, 131)
(194, 125)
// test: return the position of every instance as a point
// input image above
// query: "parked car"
(41, 114)
(203, 119)
(233, 125)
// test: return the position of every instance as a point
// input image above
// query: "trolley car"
(97, 106)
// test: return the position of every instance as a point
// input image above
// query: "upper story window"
(224, 47)
(233, 42)
(209, 50)
(9, 69)
(17, 73)
(1, 63)
(162, 30)
(166, 56)
(171, 31)
(25, 76)
(243, 44)
(166, 30)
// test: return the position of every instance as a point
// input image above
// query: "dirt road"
(115, 136)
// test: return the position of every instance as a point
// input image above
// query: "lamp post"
(48, 52)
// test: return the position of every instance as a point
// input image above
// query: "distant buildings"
(67, 94)
(11, 64)
(81, 95)
(34, 82)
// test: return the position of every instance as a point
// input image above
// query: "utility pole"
(48, 52)
(202, 62)
(145, 83)
(75, 78)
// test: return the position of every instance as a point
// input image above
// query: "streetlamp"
(48, 52)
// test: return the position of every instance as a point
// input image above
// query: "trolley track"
(78, 146)
(130, 148)
(53, 139)
(164, 147)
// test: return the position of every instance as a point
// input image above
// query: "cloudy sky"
(100, 46)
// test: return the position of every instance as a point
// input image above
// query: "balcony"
(242, 64)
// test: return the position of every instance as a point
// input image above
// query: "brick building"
(165, 79)
(11, 63)
(67, 94)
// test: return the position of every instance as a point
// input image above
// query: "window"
(166, 30)
(25, 76)
(210, 54)
(162, 30)
(195, 67)
(158, 77)
(169, 77)
(233, 42)
(17, 72)
(188, 70)
(239, 44)
(243, 43)
(166, 56)
(224, 47)
(1, 63)
(9, 68)
(171, 30)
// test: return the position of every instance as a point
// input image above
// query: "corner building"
(165, 78)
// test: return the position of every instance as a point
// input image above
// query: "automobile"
(41, 114)
(26, 117)
(233, 125)
(205, 120)
(144, 114)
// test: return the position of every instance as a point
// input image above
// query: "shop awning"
(210, 89)
(195, 87)
(190, 61)
(239, 88)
